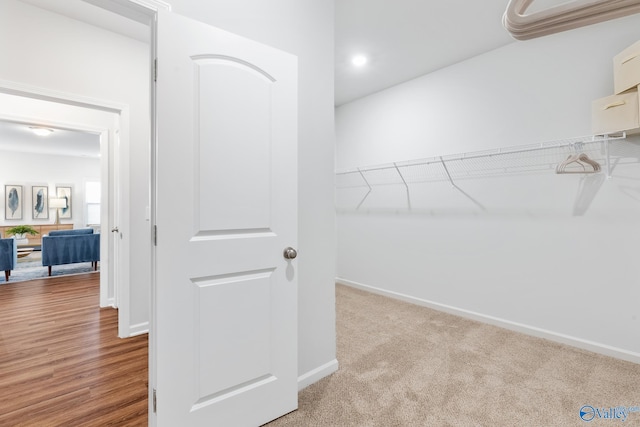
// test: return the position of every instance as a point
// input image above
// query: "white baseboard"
(317, 374)
(595, 347)
(139, 329)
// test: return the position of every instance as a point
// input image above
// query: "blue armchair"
(71, 246)
(8, 256)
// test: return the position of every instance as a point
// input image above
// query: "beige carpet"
(405, 365)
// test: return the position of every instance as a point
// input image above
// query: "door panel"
(225, 336)
(242, 124)
(242, 300)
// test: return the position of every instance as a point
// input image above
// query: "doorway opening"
(77, 81)
(29, 108)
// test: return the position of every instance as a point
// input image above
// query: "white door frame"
(117, 297)
(133, 9)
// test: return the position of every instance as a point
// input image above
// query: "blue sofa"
(8, 256)
(71, 246)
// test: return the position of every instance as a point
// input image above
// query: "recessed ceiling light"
(41, 131)
(359, 60)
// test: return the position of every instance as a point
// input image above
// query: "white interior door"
(224, 338)
(112, 230)
(107, 279)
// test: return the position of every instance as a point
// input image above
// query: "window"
(92, 201)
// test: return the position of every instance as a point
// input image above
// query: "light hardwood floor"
(61, 362)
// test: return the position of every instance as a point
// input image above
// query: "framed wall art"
(39, 202)
(64, 192)
(13, 202)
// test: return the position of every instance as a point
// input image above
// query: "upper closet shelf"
(519, 159)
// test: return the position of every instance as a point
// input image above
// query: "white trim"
(106, 293)
(595, 347)
(142, 11)
(138, 329)
(29, 91)
(154, 5)
(317, 374)
(122, 111)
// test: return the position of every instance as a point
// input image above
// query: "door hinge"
(155, 70)
(155, 402)
(155, 235)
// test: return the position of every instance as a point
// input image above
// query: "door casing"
(113, 292)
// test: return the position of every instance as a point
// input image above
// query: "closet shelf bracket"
(401, 177)
(368, 192)
(444, 165)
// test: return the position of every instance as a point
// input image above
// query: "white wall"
(539, 258)
(303, 28)
(29, 169)
(53, 52)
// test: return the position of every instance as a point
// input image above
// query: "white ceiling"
(18, 137)
(403, 39)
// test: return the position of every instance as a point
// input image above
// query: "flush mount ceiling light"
(359, 60)
(41, 131)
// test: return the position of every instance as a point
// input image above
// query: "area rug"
(30, 268)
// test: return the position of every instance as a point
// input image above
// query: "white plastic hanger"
(565, 16)
(588, 165)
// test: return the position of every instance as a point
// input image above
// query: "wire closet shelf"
(521, 159)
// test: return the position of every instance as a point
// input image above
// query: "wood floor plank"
(61, 362)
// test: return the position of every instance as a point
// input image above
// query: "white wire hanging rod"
(479, 154)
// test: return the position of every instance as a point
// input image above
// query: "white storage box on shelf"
(626, 69)
(616, 113)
